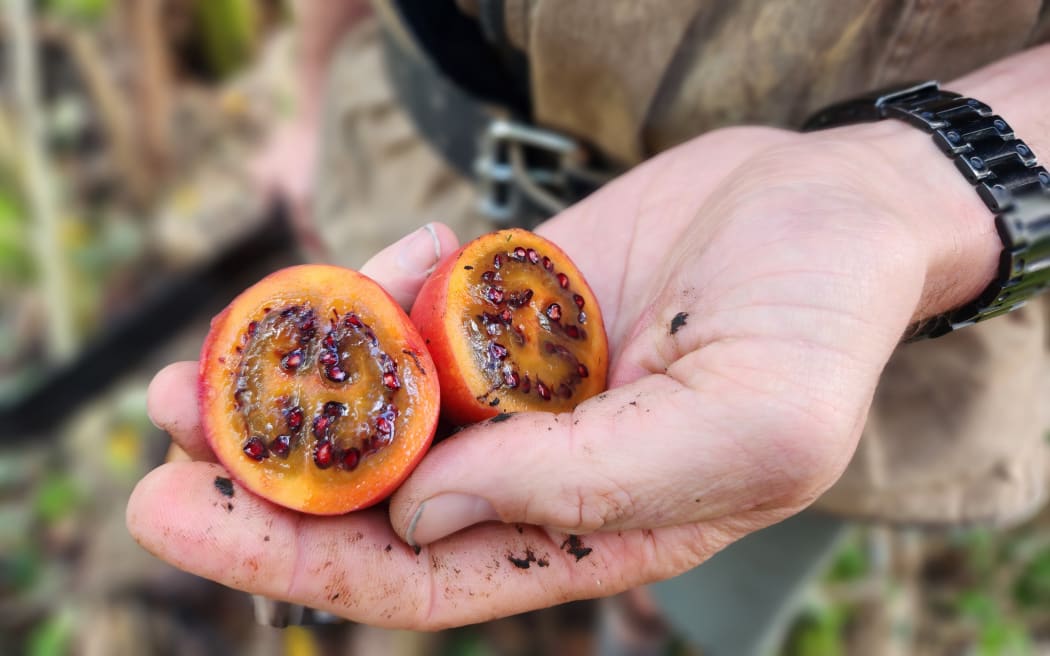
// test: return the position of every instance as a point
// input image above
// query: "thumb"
(644, 455)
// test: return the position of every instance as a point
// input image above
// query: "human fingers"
(356, 567)
(661, 451)
(171, 402)
(401, 269)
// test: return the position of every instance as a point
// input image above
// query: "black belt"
(525, 174)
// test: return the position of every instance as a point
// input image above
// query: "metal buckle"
(520, 168)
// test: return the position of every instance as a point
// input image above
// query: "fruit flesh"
(316, 392)
(514, 327)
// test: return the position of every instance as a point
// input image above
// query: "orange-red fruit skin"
(218, 366)
(432, 316)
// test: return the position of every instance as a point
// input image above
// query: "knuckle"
(588, 508)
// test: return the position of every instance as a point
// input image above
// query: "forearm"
(955, 227)
(319, 27)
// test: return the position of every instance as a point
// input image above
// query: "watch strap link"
(1003, 171)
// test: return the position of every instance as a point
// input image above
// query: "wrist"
(952, 225)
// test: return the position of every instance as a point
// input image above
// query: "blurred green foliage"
(87, 11)
(1032, 587)
(15, 262)
(228, 31)
(56, 497)
(52, 636)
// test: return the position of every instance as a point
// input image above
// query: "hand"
(793, 272)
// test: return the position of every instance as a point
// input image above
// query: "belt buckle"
(521, 168)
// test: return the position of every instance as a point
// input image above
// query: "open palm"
(752, 297)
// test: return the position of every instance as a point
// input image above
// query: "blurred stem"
(143, 19)
(39, 183)
(113, 105)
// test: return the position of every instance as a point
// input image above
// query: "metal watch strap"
(1002, 169)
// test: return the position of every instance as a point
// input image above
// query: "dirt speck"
(519, 529)
(417, 549)
(494, 402)
(388, 548)
(543, 562)
(224, 486)
(574, 546)
(229, 507)
(634, 403)
(524, 562)
(503, 416)
(678, 321)
(266, 538)
(334, 597)
(468, 268)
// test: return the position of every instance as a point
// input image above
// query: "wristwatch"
(1002, 169)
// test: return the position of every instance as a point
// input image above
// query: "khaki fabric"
(377, 180)
(690, 66)
(957, 429)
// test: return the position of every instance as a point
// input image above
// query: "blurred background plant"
(128, 216)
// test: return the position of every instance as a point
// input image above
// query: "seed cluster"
(330, 353)
(505, 325)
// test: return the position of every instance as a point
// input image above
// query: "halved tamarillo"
(316, 391)
(512, 326)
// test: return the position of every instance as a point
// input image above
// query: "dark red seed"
(519, 254)
(497, 261)
(533, 256)
(578, 300)
(563, 280)
(526, 384)
(495, 294)
(251, 328)
(572, 331)
(554, 312)
(292, 360)
(329, 341)
(511, 379)
(371, 337)
(384, 426)
(255, 448)
(281, 446)
(336, 374)
(543, 391)
(488, 276)
(350, 459)
(547, 264)
(321, 425)
(582, 371)
(390, 410)
(492, 329)
(497, 351)
(334, 409)
(549, 347)
(506, 316)
(564, 391)
(323, 454)
(352, 320)
(391, 381)
(328, 358)
(294, 417)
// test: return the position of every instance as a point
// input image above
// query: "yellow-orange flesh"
(523, 315)
(311, 397)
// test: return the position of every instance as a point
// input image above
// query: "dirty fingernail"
(445, 514)
(420, 251)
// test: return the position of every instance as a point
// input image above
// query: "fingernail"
(420, 251)
(445, 514)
